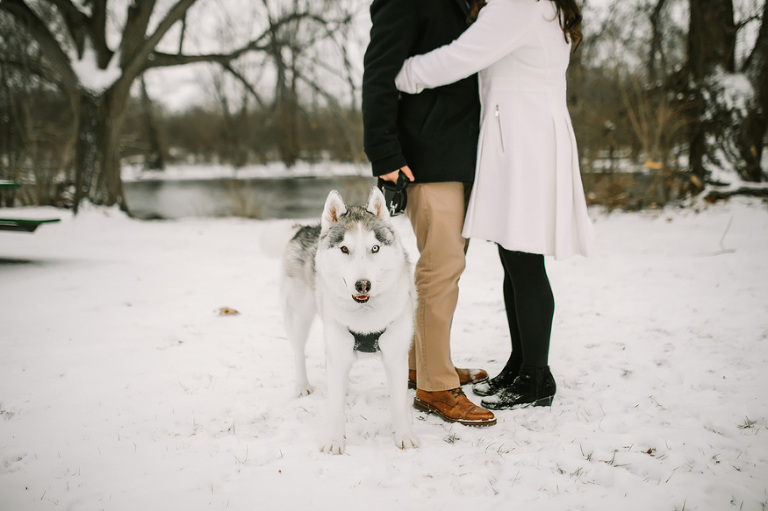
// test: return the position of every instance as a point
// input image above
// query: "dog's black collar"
(367, 343)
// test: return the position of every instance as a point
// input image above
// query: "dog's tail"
(275, 236)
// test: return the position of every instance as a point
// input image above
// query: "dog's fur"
(353, 271)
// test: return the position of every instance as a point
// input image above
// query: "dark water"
(299, 197)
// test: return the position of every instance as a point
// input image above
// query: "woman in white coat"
(527, 195)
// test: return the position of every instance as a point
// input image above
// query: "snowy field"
(123, 388)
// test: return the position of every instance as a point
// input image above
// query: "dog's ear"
(334, 208)
(377, 204)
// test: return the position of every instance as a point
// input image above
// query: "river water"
(296, 197)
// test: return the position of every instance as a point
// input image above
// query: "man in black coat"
(432, 138)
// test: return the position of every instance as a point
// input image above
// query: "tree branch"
(135, 28)
(59, 60)
(75, 20)
(134, 64)
(656, 46)
(748, 191)
(159, 59)
(245, 83)
(760, 49)
(98, 33)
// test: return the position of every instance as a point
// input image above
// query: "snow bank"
(122, 388)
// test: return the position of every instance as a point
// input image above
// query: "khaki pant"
(436, 211)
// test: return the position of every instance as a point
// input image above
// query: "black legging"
(530, 306)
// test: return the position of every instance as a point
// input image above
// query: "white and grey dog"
(353, 271)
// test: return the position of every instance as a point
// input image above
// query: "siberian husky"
(353, 271)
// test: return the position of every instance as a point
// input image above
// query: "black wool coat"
(434, 133)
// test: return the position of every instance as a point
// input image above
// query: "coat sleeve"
(500, 28)
(393, 31)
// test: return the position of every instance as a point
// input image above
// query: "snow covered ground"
(123, 388)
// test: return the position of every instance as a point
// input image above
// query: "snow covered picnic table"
(21, 224)
(24, 224)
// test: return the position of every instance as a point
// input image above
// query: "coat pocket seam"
(501, 131)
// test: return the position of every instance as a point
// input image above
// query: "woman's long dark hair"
(567, 11)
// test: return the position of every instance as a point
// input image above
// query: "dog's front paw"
(406, 440)
(333, 446)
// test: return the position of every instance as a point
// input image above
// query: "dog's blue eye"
(344, 250)
(375, 249)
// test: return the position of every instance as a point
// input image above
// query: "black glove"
(394, 194)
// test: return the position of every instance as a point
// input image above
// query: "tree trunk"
(286, 112)
(154, 160)
(656, 61)
(97, 151)
(752, 134)
(751, 141)
(711, 45)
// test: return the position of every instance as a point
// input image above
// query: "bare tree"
(98, 77)
(711, 47)
(636, 47)
(36, 145)
(308, 58)
(651, 106)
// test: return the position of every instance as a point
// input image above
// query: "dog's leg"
(339, 357)
(394, 355)
(298, 312)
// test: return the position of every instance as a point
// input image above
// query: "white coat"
(527, 194)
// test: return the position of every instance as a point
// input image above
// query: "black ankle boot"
(506, 376)
(495, 384)
(532, 387)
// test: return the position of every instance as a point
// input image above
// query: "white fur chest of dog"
(353, 271)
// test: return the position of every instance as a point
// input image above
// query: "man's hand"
(392, 176)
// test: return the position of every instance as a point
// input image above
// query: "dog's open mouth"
(361, 298)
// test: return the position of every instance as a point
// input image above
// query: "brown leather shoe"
(465, 376)
(471, 376)
(453, 406)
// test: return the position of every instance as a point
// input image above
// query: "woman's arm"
(499, 29)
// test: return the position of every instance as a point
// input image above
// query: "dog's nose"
(363, 286)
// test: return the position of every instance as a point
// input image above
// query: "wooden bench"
(21, 224)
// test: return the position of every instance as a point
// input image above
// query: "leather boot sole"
(492, 405)
(426, 407)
